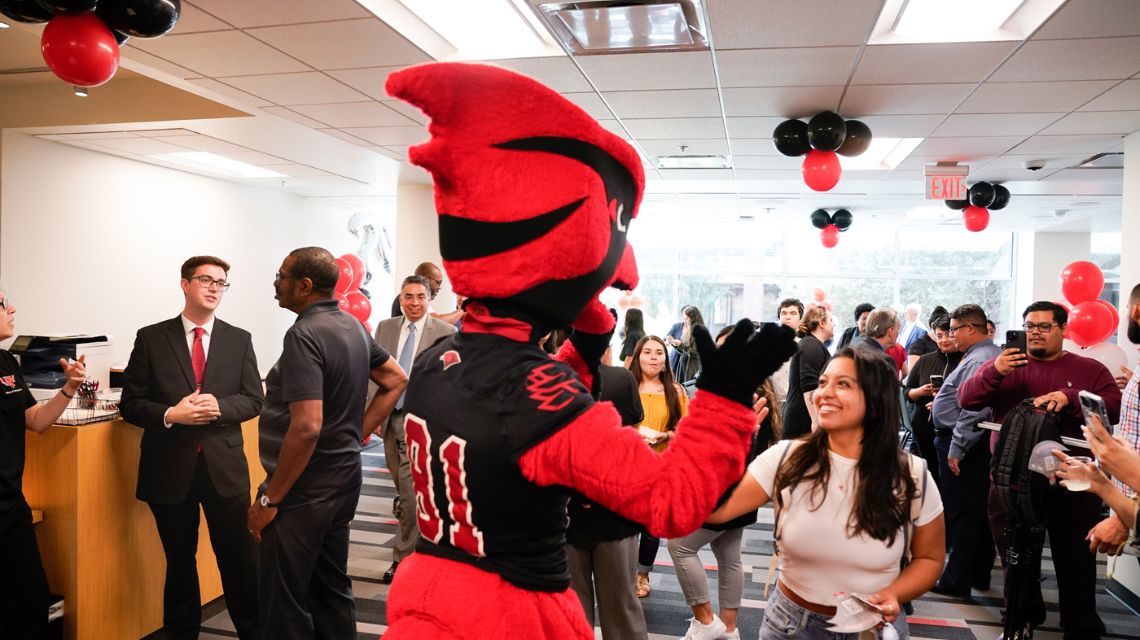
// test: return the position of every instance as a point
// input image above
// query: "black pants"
(924, 438)
(1072, 515)
(23, 585)
(233, 546)
(647, 552)
(305, 589)
(964, 499)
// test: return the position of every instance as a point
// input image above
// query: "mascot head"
(534, 197)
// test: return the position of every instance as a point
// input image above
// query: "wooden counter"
(99, 544)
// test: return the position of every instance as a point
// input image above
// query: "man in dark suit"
(190, 383)
(406, 336)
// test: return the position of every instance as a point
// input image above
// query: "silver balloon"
(374, 244)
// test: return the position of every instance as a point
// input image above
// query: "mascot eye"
(621, 222)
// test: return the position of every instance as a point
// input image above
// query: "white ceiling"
(1071, 90)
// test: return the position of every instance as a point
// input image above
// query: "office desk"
(100, 547)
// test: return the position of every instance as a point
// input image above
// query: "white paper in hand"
(854, 614)
(652, 436)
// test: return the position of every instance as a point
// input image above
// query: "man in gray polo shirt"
(310, 430)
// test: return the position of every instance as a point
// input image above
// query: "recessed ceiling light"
(693, 162)
(883, 154)
(215, 164)
(612, 26)
(917, 21)
(466, 30)
(4, 25)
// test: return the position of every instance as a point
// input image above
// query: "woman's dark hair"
(634, 322)
(774, 418)
(936, 313)
(865, 307)
(884, 484)
(695, 318)
(940, 322)
(672, 400)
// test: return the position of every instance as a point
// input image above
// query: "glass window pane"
(844, 294)
(866, 250)
(995, 296)
(955, 253)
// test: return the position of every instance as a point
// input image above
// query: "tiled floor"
(665, 610)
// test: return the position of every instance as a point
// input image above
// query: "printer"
(39, 358)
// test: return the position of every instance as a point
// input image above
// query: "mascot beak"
(626, 278)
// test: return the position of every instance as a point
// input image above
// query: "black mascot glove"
(744, 361)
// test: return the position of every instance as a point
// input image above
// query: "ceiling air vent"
(615, 26)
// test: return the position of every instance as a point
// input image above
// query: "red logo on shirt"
(552, 388)
(8, 381)
(450, 359)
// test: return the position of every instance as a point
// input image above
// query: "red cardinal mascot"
(534, 199)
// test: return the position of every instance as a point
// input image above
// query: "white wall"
(93, 243)
(418, 227)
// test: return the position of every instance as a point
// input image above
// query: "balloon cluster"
(348, 294)
(1091, 320)
(830, 225)
(983, 198)
(820, 139)
(80, 43)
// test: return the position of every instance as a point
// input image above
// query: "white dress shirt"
(188, 327)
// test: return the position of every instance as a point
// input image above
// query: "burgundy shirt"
(1068, 374)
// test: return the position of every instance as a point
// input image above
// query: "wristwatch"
(264, 503)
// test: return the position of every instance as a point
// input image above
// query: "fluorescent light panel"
(693, 162)
(213, 163)
(925, 21)
(884, 154)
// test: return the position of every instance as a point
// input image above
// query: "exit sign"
(943, 187)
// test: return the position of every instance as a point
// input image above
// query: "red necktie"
(198, 356)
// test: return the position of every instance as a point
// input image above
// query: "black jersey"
(476, 403)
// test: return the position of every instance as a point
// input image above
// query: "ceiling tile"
(770, 163)
(154, 62)
(922, 63)
(1092, 19)
(666, 128)
(591, 103)
(399, 151)
(298, 170)
(289, 114)
(204, 143)
(409, 112)
(891, 99)
(369, 81)
(353, 114)
(638, 71)
(799, 102)
(1066, 144)
(1122, 97)
(914, 126)
(695, 147)
(755, 147)
(341, 135)
(138, 146)
(696, 174)
(1097, 122)
(768, 174)
(1103, 59)
(744, 24)
(193, 20)
(343, 44)
(220, 53)
(288, 89)
(785, 67)
(260, 13)
(959, 148)
(752, 128)
(390, 135)
(558, 73)
(999, 124)
(227, 90)
(1017, 161)
(255, 158)
(678, 103)
(915, 162)
(1027, 97)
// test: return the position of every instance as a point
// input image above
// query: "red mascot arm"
(670, 493)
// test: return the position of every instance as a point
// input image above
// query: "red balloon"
(1115, 316)
(342, 301)
(346, 275)
(821, 170)
(1089, 323)
(976, 218)
(358, 270)
(359, 305)
(1081, 281)
(80, 49)
(829, 236)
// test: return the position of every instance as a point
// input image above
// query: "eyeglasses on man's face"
(954, 329)
(278, 277)
(1039, 327)
(208, 283)
(5, 303)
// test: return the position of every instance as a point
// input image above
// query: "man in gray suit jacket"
(406, 337)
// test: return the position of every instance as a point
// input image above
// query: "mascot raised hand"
(534, 200)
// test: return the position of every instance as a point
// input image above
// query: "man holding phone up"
(1053, 378)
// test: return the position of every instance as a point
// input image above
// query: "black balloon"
(67, 6)
(957, 205)
(856, 141)
(826, 131)
(25, 11)
(842, 219)
(121, 38)
(791, 138)
(140, 18)
(982, 194)
(820, 219)
(1001, 198)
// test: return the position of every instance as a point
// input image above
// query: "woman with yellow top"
(665, 403)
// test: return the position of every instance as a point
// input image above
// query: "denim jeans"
(784, 620)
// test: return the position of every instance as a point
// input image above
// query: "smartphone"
(1092, 404)
(936, 381)
(1015, 339)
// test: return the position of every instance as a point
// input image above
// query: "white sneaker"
(731, 635)
(711, 631)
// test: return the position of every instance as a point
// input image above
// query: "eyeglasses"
(5, 303)
(1042, 327)
(954, 330)
(207, 282)
(281, 276)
